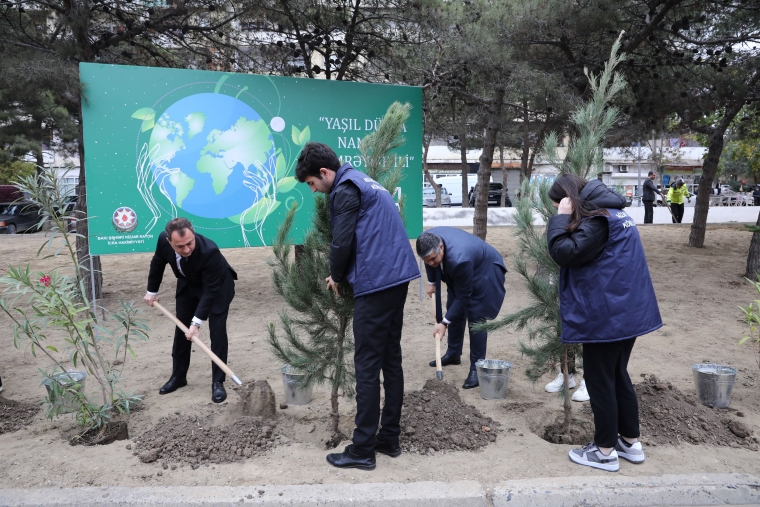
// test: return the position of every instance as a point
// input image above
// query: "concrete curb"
(615, 491)
(423, 494)
(660, 491)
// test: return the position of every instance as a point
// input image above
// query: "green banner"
(220, 149)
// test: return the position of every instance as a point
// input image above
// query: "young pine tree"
(317, 330)
(543, 348)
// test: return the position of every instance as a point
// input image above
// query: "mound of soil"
(436, 419)
(14, 415)
(669, 417)
(192, 440)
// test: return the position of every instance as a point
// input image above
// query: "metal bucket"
(714, 384)
(493, 377)
(295, 392)
(69, 402)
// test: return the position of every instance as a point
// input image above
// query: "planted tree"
(45, 306)
(318, 338)
(544, 348)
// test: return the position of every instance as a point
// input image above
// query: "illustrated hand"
(331, 285)
(430, 289)
(565, 206)
(193, 331)
(150, 299)
(439, 330)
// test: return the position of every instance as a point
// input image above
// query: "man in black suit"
(648, 197)
(205, 288)
(474, 275)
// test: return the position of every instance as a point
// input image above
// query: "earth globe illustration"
(214, 154)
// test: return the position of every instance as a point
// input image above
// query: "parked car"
(18, 217)
(494, 196)
(428, 197)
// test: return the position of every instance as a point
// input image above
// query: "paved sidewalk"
(694, 490)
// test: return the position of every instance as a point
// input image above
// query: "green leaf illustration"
(305, 136)
(286, 184)
(147, 125)
(281, 166)
(258, 212)
(144, 113)
(296, 135)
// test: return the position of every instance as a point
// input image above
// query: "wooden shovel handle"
(437, 339)
(226, 369)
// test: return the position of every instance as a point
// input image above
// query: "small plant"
(45, 307)
(752, 317)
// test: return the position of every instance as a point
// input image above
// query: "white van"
(453, 185)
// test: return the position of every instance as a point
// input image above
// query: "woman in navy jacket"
(606, 301)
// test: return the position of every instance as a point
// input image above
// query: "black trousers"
(378, 319)
(478, 341)
(677, 210)
(613, 399)
(217, 325)
(648, 212)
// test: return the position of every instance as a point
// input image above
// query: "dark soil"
(193, 440)
(111, 432)
(436, 419)
(669, 417)
(581, 429)
(14, 415)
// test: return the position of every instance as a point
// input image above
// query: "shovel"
(200, 344)
(437, 338)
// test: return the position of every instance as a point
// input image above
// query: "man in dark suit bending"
(473, 272)
(205, 288)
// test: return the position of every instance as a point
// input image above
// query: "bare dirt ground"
(699, 291)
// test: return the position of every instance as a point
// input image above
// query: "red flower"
(45, 280)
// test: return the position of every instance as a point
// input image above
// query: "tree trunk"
(525, 145)
(709, 170)
(753, 258)
(567, 406)
(480, 218)
(334, 414)
(537, 148)
(465, 168)
(503, 177)
(83, 240)
(436, 187)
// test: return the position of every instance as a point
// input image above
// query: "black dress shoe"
(392, 450)
(447, 360)
(348, 459)
(173, 384)
(218, 394)
(471, 381)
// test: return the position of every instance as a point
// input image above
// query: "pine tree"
(543, 348)
(324, 355)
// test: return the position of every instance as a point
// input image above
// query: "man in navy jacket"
(474, 275)
(370, 251)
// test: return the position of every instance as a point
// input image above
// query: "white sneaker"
(633, 453)
(555, 385)
(581, 394)
(590, 456)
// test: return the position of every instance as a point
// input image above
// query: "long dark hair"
(570, 185)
